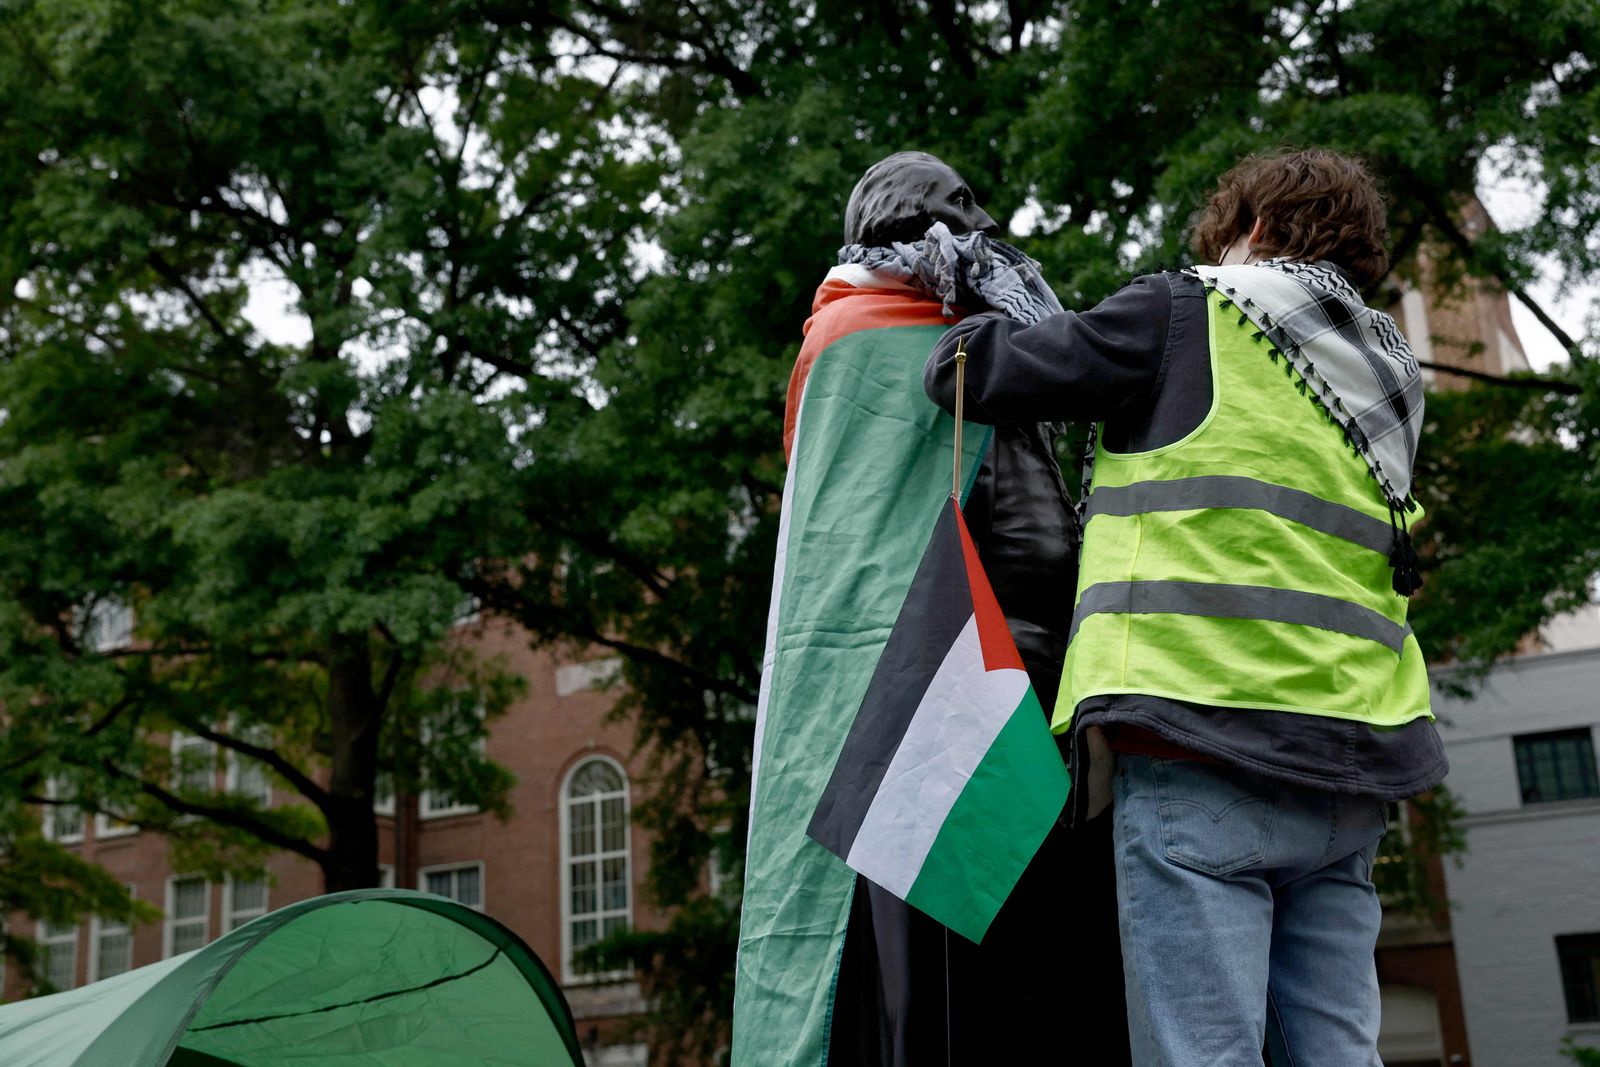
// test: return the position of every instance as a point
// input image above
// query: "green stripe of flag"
(993, 827)
(872, 461)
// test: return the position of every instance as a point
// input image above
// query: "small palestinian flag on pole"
(949, 779)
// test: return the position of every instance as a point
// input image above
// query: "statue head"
(899, 197)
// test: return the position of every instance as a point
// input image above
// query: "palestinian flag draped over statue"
(870, 465)
(949, 779)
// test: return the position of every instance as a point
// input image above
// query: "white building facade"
(1525, 897)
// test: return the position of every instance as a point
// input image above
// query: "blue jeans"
(1240, 899)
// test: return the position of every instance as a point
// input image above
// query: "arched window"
(596, 868)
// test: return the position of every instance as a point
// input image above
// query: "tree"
(40, 878)
(294, 526)
(1512, 485)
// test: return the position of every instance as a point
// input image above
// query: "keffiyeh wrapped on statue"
(973, 272)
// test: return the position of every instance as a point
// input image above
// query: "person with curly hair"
(1240, 683)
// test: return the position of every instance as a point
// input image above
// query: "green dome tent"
(371, 978)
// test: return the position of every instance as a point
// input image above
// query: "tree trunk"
(407, 827)
(354, 720)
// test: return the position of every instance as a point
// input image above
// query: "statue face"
(901, 196)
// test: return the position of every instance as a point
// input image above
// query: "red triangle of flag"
(999, 650)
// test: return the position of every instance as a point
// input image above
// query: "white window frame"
(177, 743)
(235, 761)
(47, 825)
(98, 928)
(469, 610)
(425, 800)
(48, 940)
(568, 975)
(440, 868)
(168, 923)
(635, 1054)
(426, 810)
(588, 676)
(230, 913)
(1401, 823)
(1402, 820)
(386, 876)
(109, 826)
(383, 794)
(107, 625)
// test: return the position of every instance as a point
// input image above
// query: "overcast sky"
(1511, 204)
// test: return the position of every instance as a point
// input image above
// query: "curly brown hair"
(1314, 204)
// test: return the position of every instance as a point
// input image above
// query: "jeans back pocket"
(1215, 820)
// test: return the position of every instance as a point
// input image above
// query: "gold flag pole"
(955, 495)
(961, 395)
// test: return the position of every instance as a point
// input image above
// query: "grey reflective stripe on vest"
(1239, 602)
(1229, 491)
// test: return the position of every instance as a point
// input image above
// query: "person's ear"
(1257, 232)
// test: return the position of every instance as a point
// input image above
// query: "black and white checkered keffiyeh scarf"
(973, 271)
(1353, 360)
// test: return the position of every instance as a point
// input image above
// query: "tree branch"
(391, 677)
(164, 268)
(710, 60)
(640, 654)
(651, 577)
(1548, 323)
(955, 37)
(292, 774)
(1546, 385)
(239, 820)
(583, 340)
(1329, 32)
(506, 364)
(1464, 244)
(1016, 23)
(470, 116)
(83, 329)
(508, 605)
(1409, 239)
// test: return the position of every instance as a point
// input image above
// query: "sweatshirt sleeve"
(1100, 364)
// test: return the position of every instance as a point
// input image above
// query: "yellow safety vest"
(1245, 565)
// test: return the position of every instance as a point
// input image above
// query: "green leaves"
(1509, 479)
(294, 525)
(44, 880)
